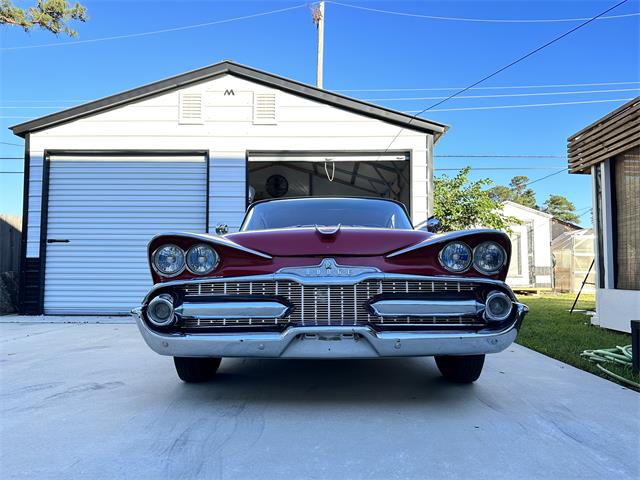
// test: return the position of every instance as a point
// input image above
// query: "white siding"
(108, 210)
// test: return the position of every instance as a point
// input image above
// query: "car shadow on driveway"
(379, 381)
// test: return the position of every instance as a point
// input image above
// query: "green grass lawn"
(550, 329)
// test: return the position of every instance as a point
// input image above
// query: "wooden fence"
(10, 235)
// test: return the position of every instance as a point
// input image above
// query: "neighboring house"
(559, 227)
(531, 264)
(186, 153)
(609, 150)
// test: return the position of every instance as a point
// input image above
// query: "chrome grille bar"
(320, 305)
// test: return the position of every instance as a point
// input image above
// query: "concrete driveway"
(91, 401)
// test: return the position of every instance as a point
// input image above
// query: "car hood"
(291, 242)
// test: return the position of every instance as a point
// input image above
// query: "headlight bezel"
(505, 258)
(158, 270)
(213, 267)
(464, 244)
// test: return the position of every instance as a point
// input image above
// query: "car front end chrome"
(331, 342)
(331, 311)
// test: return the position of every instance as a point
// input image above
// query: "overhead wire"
(509, 65)
(154, 32)
(479, 20)
(497, 87)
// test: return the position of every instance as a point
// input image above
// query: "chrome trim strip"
(231, 310)
(445, 237)
(332, 342)
(328, 280)
(215, 239)
(427, 308)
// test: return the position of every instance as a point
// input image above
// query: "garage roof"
(248, 73)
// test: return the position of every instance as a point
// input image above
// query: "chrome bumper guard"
(331, 342)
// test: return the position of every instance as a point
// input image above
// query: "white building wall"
(540, 222)
(227, 131)
(615, 308)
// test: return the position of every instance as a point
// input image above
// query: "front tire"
(460, 369)
(195, 369)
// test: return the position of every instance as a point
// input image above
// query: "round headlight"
(160, 310)
(456, 257)
(202, 259)
(489, 257)
(168, 260)
(497, 306)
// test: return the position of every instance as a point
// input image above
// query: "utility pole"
(318, 18)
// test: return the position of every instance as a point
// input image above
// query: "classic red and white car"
(329, 278)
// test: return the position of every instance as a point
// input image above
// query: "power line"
(527, 105)
(545, 177)
(11, 158)
(499, 168)
(400, 99)
(10, 172)
(14, 144)
(509, 65)
(500, 95)
(480, 20)
(500, 156)
(154, 32)
(498, 87)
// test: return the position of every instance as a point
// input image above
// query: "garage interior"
(384, 175)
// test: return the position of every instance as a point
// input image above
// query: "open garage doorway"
(304, 174)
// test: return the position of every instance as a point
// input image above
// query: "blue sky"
(363, 50)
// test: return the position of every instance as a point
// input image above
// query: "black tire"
(461, 369)
(196, 369)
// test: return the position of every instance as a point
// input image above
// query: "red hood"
(309, 242)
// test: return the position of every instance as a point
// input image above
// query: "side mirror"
(434, 225)
(222, 228)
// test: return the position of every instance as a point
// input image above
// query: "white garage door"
(102, 212)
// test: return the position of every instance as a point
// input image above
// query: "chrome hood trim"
(215, 239)
(445, 237)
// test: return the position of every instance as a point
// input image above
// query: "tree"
(460, 203)
(561, 208)
(516, 192)
(51, 15)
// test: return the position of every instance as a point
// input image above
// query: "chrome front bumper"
(331, 342)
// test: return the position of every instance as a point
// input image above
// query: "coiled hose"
(619, 355)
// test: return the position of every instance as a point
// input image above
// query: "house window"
(515, 267)
(626, 185)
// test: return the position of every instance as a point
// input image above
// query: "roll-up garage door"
(102, 211)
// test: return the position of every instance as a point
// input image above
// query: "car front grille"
(325, 305)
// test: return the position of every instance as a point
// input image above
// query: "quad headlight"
(456, 257)
(202, 259)
(168, 260)
(489, 258)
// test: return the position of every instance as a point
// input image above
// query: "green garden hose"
(619, 355)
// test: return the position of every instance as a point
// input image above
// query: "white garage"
(189, 153)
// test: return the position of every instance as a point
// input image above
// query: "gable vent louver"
(264, 109)
(190, 109)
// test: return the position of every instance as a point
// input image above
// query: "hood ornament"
(328, 231)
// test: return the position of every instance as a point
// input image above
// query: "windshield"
(308, 212)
